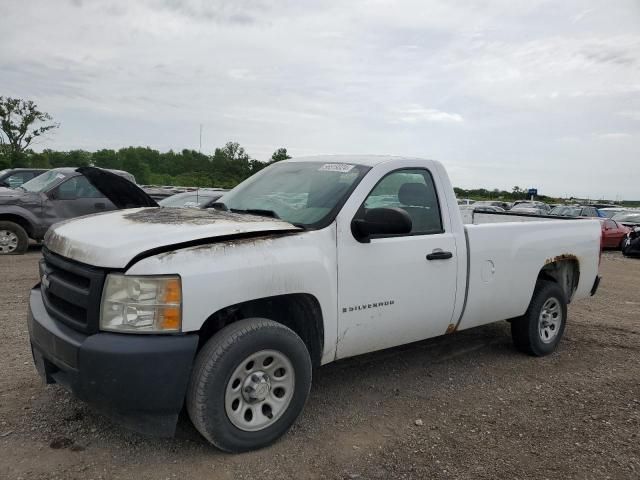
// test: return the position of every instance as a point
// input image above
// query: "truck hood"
(7, 192)
(114, 239)
(9, 196)
(121, 192)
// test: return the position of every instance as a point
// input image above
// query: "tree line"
(226, 167)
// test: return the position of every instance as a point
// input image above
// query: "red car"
(613, 233)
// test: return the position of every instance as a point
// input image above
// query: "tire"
(221, 389)
(13, 239)
(540, 329)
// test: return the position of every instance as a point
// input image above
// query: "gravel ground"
(462, 406)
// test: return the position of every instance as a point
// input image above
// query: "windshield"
(44, 181)
(302, 193)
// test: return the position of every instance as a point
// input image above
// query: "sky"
(532, 93)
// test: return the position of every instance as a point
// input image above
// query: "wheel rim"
(8, 241)
(550, 320)
(259, 390)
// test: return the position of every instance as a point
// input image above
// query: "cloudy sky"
(504, 92)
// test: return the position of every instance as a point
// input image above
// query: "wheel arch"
(563, 270)
(301, 312)
(19, 220)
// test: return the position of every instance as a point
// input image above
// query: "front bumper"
(137, 380)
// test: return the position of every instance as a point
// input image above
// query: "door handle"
(100, 206)
(439, 255)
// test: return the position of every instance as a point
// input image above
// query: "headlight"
(150, 304)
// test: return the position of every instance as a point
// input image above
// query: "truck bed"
(506, 255)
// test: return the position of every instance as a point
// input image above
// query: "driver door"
(75, 197)
(393, 289)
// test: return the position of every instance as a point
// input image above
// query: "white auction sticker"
(336, 167)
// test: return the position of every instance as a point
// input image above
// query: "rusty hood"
(115, 239)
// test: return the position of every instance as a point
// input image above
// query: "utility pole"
(200, 148)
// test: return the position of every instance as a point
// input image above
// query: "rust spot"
(208, 245)
(451, 328)
(193, 216)
(561, 257)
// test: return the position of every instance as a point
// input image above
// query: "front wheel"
(249, 384)
(540, 329)
(13, 239)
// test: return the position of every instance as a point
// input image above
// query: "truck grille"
(71, 291)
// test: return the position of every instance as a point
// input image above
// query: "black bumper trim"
(137, 380)
(596, 284)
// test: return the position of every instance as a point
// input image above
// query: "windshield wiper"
(256, 211)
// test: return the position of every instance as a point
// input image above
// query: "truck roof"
(366, 160)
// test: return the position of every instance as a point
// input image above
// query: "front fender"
(25, 217)
(233, 271)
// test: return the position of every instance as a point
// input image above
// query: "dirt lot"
(486, 411)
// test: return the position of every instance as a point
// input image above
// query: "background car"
(14, 177)
(493, 203)
(613, 233)
(532, 208)
(611, 212)
(196, 199)
(541, 206)
(630, 219)
(27, 212)
(575, 211)
(487, 209)
(631, 244)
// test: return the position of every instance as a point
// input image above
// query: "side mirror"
(381, 221)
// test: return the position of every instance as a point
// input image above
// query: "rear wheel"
(249, 384)
(540, 329)
(13, 239)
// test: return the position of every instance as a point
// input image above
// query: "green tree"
(20, 124)
(107, 159)
(280, 154)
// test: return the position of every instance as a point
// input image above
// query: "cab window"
(77, 187)
(412, 190)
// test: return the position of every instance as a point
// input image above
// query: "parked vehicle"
(311, 260)
(160, 193)
(611, 212)
(201, 198)
(541, 207)
(631, 244)
(465, 201)
(630, 219)
(613, 233)
(28, 211)
(493, 203)
(530, 209)
(575, 211)
(14, 177)
(487, 209)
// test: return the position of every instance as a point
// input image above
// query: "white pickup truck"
(142, 312)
